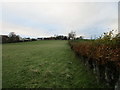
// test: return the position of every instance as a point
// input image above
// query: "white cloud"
(66, 15)
(20, 30)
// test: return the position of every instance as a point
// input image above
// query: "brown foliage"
(103, 53)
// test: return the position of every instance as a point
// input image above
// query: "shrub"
(103, 55)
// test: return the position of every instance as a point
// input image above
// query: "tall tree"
(13, 37)
(71, 35)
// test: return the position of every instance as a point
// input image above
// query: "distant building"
(26, 39)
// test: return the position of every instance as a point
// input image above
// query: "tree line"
(12, 38)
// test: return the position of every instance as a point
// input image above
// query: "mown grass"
(44, 64)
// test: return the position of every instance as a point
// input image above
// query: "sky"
(48, 18)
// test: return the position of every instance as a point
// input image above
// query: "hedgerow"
(101, 55)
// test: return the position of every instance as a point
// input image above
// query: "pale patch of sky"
(45, 19)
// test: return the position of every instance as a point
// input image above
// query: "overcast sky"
(43, 19)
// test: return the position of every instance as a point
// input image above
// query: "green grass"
(44, 64)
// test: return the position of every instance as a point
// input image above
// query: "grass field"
(44, 64)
